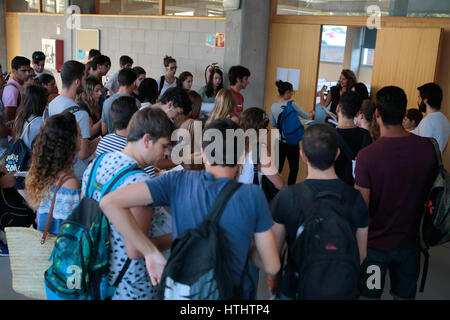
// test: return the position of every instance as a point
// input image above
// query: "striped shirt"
(113, 142)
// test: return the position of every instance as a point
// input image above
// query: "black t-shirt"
(287, 209)
(356, 139)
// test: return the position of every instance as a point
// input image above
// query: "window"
(203, 8)
(132, 7)
(23, 6)
(53, 6)
(333, 44)
(409, 8)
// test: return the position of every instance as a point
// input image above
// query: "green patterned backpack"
(80, 266)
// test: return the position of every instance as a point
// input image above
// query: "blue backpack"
(80, 266)
(290, 126)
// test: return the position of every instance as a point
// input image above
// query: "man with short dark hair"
(127, 83)
(99, 68)
(394, 175)
(174, 102)
(238, 76)
(113, 85)
(13, 92)
(435, 124)
(73, 76)
(190, 194)
(351, 138)
(319, 151)
(93, 53)
(38, 64)
(148, 135)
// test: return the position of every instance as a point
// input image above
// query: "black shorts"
(404, 269)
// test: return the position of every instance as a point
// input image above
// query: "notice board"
(86, 39)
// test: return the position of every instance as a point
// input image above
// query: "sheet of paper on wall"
(289, 75)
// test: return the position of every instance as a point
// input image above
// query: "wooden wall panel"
(297, 47)
(12, 38)
(407, 58)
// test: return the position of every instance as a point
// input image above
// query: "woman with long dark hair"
(51, 166)
(347, 80)
(185, 80)
(29, 120)
(214, 85)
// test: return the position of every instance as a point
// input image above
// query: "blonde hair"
(224, 105)
(86, 96)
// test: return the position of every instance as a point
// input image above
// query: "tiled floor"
(437, 286)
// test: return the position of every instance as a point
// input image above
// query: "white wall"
(146, 40)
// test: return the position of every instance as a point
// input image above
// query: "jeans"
(404, 269)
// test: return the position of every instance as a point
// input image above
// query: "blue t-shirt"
(190, 194)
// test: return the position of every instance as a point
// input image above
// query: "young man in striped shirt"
(121, 112)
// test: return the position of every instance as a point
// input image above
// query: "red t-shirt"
(239, 102)
(399, 173)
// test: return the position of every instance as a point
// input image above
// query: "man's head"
(238, 75)
(431, 94)
(349, 104)
(150, 131)
(20, 69)
(214, 144)
(391, 105)
(125, 62)
(175, 102)
(127, 79)
(320, 146)
(38, 61)
(73, 75)
(122, 109)
(101, 65)
(93, 53)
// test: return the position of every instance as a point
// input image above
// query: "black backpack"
(197, 268)
(269, 189)
(435, 222)
(19, 156)
(323, 261)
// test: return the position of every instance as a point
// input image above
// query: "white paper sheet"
(289, 75)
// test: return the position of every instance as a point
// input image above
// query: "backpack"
(14, 211)
(197, 268)
(435, 221)
(80, 266)
(19, 156)
(323, 261)
(290, 126)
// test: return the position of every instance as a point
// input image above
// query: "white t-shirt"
(135, 284)
(167, 86)
(434, 125)
(113, 85)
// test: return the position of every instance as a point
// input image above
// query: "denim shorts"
(404, 269)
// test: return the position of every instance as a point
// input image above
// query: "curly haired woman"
(53, 154)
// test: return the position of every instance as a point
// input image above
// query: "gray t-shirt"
(107, 108)
(434, 125)
(61, 103)
(113, 85)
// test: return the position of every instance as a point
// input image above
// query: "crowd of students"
(381, 172)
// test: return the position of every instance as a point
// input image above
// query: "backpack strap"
(437, 151)
(161, 83)
(19, 97)
(89, 186)
(119, 178)
(50, 214)
(27, 127)
(216, 211)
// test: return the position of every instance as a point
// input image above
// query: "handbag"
(269, 189)
(30, 255)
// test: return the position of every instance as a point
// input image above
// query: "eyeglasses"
(173, 68)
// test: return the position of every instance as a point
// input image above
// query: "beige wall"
(330, 71)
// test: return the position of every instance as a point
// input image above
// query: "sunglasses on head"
(39, 56)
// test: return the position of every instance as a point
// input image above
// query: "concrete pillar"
(247, 32)
(3, 61)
